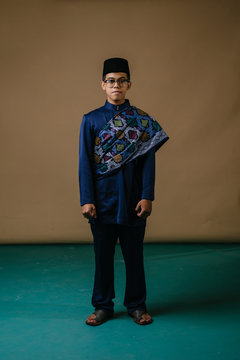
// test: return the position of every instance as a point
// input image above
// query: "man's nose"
(116, 83)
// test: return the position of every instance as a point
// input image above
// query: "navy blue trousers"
(131, 241)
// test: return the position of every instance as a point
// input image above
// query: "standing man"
(117, 149)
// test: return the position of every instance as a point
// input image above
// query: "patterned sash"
(129, 134)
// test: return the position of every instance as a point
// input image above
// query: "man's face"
(116, 94)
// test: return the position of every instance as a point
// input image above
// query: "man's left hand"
(144, 208)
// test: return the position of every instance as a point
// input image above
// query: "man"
(117, 149)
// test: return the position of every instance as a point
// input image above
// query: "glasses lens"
(122, 82)
(110, 82)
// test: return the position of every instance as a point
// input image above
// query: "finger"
(148, 213)
(87, 215)
(93, 212)
(141, 213)
(144, 214)
(138, 207)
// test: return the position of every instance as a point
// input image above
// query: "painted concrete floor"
(193, 294)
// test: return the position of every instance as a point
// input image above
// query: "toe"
(91, 319)
(146, 318)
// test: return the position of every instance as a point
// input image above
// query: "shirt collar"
(120, 107)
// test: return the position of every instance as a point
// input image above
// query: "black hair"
(104, 77)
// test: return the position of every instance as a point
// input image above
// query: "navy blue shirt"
(116, 195)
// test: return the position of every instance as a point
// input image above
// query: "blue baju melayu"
(115, 194)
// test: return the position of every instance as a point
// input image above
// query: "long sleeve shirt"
(116, 195)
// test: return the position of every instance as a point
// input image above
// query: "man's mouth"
(118, 92)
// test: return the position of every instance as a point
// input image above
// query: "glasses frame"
(121, 82)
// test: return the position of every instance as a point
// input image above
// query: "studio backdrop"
(184, 63)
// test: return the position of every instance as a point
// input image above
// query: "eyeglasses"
(120, 82)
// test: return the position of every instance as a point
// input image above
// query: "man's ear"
(103, 85)
(129, 85)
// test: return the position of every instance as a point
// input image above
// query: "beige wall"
(184, 63)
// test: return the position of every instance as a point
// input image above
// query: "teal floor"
(193, 293)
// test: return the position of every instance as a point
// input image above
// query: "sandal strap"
(137, 314)
(101, 315)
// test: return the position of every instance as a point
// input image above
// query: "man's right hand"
(89, 211)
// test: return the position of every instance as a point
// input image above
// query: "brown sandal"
(100, 318)
(137, 316)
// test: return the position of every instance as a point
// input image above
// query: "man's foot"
(141, 317)
(98, 317)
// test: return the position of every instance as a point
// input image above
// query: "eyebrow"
(112, 78)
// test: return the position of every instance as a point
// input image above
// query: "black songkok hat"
(115, 65)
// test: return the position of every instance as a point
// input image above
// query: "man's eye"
(111, 81)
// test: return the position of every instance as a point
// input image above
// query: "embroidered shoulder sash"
(129, 134)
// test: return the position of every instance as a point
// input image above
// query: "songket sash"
(129, 134)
